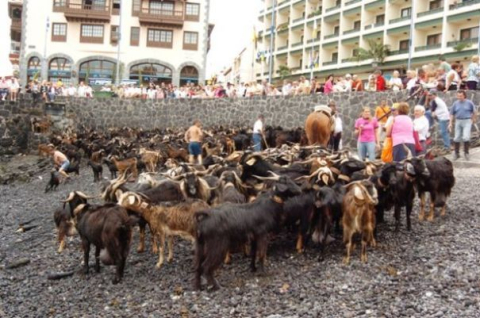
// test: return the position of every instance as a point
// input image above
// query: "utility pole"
(412, 31)
(44, 60)
(119, 41)
(272, 32)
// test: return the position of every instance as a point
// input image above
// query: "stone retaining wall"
(287, 112)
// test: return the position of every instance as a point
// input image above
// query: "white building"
(326, 34)
(77, 40)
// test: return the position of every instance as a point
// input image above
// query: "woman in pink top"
(401, 132)
(366, 128)
(328, 88)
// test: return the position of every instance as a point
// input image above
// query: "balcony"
(297, 44)
(351, 31)
(313, 40)
(375, 25)
(463, 4)
(330, 63)
(422, 14)
(161, 17)
(298, 19)
(400, 19)
(331, 36)
(333, 8)
(398, 52)
(348, 60)
(464, 41)
(281, 48)
(82, 11)
(428, 47)
(352, 2)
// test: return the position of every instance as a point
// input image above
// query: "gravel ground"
(429, 272)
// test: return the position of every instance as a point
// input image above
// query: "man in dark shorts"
(194, 136)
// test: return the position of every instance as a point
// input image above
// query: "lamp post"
(119, 41)
(272, 30)
(412, 31)
(44, 60)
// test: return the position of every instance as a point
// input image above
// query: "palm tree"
(284, 71)
(376, 51)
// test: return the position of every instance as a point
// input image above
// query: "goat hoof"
(346, 260)
(140, 250)
(116, 280)
(421, 217)
(430, 218)
(97, 269)
(158, 266)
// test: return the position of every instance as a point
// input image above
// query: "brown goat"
(126, 164)
(359, 216)
(166, 220)
(177, 153)
(150, 158)
(97, 156)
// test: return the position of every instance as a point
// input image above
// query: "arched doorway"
(34, 68)
(60, 68)
(97, 72)
(188, 74)
(145, 73)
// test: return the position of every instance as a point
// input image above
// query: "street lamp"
(119, 41)
(44, 61)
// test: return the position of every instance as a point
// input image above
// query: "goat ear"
(358, 194)
(280, 187)
(410, 169)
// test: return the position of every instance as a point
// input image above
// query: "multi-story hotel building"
(77, 40)
(329, 32)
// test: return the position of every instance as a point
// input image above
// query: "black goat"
(255, 165)
(74, 167)
(111, 167)
(231, 225)
(97, 169)
(383, 181)
(53, 182)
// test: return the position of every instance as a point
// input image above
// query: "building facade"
(78, 40)
(15, 8)
(322, 37)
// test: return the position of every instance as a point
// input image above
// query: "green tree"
(284, 71)
(377, 51)
(461, 46)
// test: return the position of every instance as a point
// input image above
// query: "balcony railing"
(352, 2)
(348, 60)
(376, 25)
(333, 8)
(313, 40)
(437, 10)
(298, 19)
(282, 48)
(79, 11)
(400, 19)
(330, 63)
(351, 31)
(297, 44)
(397, 52)
(331, 36)
(428, 47)
(314, 13)
(466, 41)
(165, 17)
(294, 69)
(463, 4)
(282, 2)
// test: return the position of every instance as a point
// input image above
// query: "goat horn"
(70, 197)
(83, 195)
(409, 152)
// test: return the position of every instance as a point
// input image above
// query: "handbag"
(418, 145)
(387, 151)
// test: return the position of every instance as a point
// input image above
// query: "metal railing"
(463, 4)
(428, 47)
(422, 14)
(466, 41)
(333, 8)
(352, 2)
(330, 63)
(351, 31)
(331, 36)
(282, 48)
(397, 52)
(400, 19)
(297, 44)
(298, 19)
(313, 40)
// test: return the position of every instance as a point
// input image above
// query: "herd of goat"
(236, 200)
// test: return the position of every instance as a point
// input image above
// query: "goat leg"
(346, 260)
(299, 243)
(119, 272)
(141, 239)
(397, 218)
(444, 210)
(61, 238)
(161, 239)
(421, 215)
(409, 212)
(97, 259)
(262, 254)
(228, 259)
(86, 252)
(431, 215)
(170, 248)
(211, 281)
(253, 254)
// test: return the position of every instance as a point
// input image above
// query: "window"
(192, 11)
(336, 30)
(406, 12)
(114, 34)
(356, 25)
(190, 40)
(59, 32)
(355, 52)
(470, 33)
(160, 38)
(335, 57)
(116, 7)
(318, 35)
(151, 72)
(436, 4)
(134, 36)
(91, 33)
(434, 39)
(136, 7)
(403, 45)
(164, 8)
(380, 19)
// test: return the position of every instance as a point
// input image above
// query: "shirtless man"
(194, 136)
(60, 161)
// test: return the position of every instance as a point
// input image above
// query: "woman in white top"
(452, 82)
(421, 126)
(14, 87)
(412, 79)
(395, 83)
(473, 70)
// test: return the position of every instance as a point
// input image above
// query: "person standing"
(336, 137)
(401, 131)
(366, 128)
(382, 113)
(194, 136)
(60, 161)
(258, 133)
(464, 113)
(395, 83)
(14, 88)
(452, 80)
(357, 84)
(328, 88)
(380, 81)
(472, 74)
(440, 112)
(421, 126)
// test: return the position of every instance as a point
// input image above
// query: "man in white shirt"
(287, 88)
(348, 83)
(440, 111)
(421, 126)
(336, 136)
(258, 131)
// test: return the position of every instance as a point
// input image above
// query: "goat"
(166, 219)
(177, 153)
(435, 177)
(43, 150)
(129, 164)
(150, 158)
(228, 226)
(233, 189)
(97, 170)
(97, 156)
(112, 168)
(74, 167)
(359, 216)
(195, 187)
(54, 181)
(108, 228)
